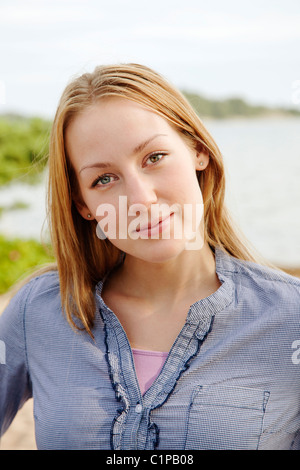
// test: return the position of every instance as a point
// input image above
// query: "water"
(262, 160)
(23, 223)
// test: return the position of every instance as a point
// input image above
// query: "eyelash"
(95, 183)
(99, 178)
(155, 154)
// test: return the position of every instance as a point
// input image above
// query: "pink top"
(148, 365)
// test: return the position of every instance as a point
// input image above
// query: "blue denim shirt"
(231, 379)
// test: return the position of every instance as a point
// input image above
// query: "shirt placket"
(132, 428)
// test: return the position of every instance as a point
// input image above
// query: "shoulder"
(38, 295)
(269, 284)
(41, 285)
(40, 290)
(46, 284)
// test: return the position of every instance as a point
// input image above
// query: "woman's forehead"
(108, 125)
(112, 111)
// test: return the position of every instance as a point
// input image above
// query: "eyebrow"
(139, 148)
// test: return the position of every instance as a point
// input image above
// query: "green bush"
(19, 257)
(232, 107)
(23, 148)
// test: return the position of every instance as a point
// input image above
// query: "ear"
(202, 159)
(83, 210)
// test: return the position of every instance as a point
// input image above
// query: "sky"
(216, 48)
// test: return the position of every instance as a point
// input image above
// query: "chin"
(159, 251)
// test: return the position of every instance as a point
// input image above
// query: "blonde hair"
(82, 258)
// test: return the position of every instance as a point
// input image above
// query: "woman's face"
(137, 178)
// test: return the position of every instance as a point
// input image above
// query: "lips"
(154, 224)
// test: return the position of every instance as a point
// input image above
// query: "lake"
(262, 160)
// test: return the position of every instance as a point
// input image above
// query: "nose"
(141, 190)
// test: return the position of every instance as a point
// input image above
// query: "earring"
(201, 163)
(89, 216)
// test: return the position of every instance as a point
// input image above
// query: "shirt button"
(138, 408)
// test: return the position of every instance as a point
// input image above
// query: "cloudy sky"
(217, 48)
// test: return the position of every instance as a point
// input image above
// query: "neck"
(173, 279)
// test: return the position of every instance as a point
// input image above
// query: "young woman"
(146, 336)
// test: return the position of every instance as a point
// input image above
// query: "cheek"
(112, 218)
(85, 197)
(107, 217)
(184, 184)
(188, 194)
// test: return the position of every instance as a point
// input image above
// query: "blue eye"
(102, 180)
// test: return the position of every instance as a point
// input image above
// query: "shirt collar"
(202, 310)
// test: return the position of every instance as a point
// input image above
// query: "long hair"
(82, 258)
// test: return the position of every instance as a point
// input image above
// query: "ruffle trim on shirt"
(186, 346)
